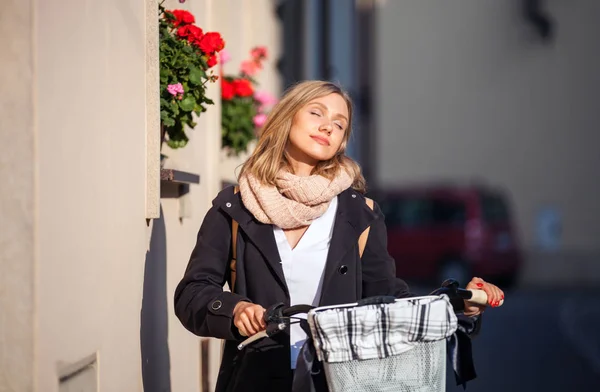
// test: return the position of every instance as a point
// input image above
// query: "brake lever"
(450, 287)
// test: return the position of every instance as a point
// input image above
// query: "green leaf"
(195, 76)
(187, 103)
(167, 121)
(164, 75)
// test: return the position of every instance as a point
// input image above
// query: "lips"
(321, 140)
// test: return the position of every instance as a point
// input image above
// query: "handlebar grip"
(479, 297)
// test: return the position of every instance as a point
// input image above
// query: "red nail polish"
(479, 284)
(502, 297)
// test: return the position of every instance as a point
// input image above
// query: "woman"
(300, 212)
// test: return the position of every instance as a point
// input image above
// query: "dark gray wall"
(466, 90)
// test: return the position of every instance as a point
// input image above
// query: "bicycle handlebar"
(274, 318)
(276, 314)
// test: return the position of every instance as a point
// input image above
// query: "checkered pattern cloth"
(353, 332)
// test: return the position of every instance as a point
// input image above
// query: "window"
(407, 212)
(449, 212)
(494, 208)
(415, 212)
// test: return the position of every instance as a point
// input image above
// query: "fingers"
(493, 292)
(248, 318)
(475, 283)
(259, 317)
(249, 327)
(498, 295)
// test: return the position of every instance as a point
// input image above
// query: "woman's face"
(318, 130)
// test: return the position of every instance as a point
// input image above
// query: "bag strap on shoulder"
(364, 236)
(234, 233)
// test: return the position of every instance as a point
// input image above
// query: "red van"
(439, 232)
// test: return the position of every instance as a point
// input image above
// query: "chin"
(320, 155)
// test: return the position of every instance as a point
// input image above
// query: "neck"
(301, 168)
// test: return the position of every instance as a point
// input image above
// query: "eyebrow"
(325, 108)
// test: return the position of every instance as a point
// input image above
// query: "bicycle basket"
(399, 346)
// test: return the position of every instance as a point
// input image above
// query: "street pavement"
(543, 340)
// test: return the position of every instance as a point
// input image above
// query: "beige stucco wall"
(466, 91)
(92, 164)
(83, 272)
(17, 198)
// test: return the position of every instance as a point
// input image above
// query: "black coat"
(206, 310)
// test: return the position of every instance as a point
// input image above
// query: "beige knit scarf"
(295, 201)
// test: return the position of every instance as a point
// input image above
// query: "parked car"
(443, 231)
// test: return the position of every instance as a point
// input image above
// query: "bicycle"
(379, 343)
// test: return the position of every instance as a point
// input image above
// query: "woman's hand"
(248, 318)
(494, 294)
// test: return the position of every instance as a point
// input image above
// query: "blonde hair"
(270, 156)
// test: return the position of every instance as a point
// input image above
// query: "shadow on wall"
(156, 366)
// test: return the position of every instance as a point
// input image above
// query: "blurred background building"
(449, 95)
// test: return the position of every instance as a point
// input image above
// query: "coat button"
(216, 305)
(343, 270)
(353, 196)
(228, 205)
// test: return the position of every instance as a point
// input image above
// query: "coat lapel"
(261, 235)
(353, 217)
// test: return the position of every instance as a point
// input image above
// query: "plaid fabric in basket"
(347, 333)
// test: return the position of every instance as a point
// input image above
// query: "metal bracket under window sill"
(175, 184)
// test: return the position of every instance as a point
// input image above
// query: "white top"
(303, 267)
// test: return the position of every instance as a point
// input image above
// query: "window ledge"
(178, 177)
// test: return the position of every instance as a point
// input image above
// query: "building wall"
(92, 232)
(467, 91)
(17, 197)
(86, 278)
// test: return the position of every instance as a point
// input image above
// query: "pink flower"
(249, 67)
(225, 56)
(260, 120)
(265, 98)
(175, 89)
(259, 53)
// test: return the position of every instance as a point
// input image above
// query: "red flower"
(211, 43)
(192, 33)
(182, 18)
(243, 87)
(212, 61)
(227, 90)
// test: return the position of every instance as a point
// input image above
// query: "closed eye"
(315, 113)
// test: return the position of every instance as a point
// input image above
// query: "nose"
(326, 127)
